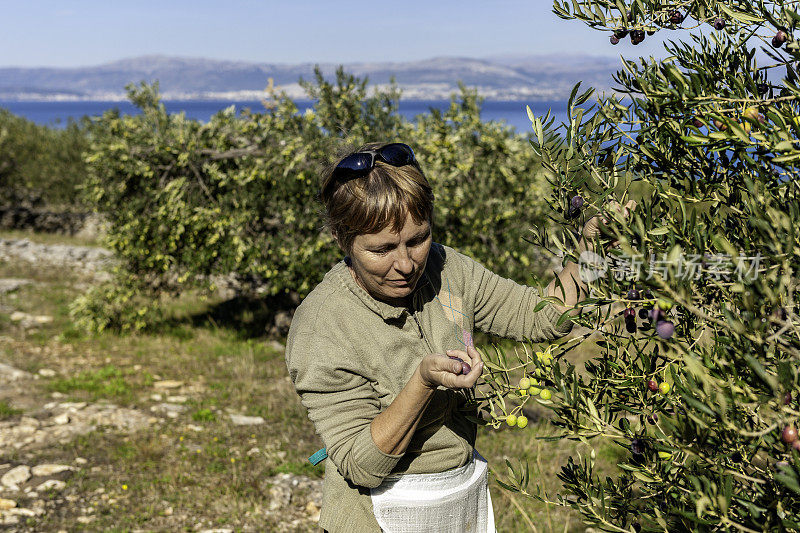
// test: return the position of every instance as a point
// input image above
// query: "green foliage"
(706, 142)
(118, 305)
(480, 172)
(186, 201)
(6, 411)
(204, 415)
(107, 382)
(40, 162)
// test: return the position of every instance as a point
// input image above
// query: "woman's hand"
(439, 369)
(593, 226)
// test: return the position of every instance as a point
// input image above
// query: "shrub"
(39, 163)
(186, 200)
(708, 144)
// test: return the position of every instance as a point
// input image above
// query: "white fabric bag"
(456, 501)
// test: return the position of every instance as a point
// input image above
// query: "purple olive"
(575, 205)
(630, 324)
(465, 368)
(779, 313)
(656, 314)
(637, 446)
(676, 17)
(697, 123)
(633, 294)
(619, 34)
(789, 434)
(779, 39)
(614, 39)
(665, 329)
(643, 314)
(653, 418)
(637, 36)
(630, 312)
(719, 24)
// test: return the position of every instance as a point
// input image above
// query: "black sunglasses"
(360, 163)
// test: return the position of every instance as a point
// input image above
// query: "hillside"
(499, 77)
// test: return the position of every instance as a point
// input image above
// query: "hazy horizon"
(487, 57)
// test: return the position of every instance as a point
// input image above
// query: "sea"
(57, 114)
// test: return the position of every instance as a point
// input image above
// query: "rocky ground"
(39, 425)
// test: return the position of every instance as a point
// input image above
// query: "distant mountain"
(509, 77)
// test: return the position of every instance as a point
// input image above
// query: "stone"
(217, 530)
(21, 511)
(168, 384)
(29, 421)
(27, 320)
(84, 519)
(14, 477)
(51, 484)
(279, 497)
(82, 417)
(9, 373)
(50, 469)
(72, 406)
(172, 410)
(242, 420)
(8, 285)
(47, 372)
(312, 510)
(7, 504)
(177, 399)
(80, 461)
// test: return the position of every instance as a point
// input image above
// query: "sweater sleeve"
(341, 404)
(506, 308)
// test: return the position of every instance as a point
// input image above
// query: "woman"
(371, 351)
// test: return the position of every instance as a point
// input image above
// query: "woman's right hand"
(439, 369)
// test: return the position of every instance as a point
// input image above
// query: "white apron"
(456, 501)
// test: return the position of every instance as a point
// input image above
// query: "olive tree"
(694, 311)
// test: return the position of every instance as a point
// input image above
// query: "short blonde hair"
(370, 203)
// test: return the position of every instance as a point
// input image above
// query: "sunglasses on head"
(361, 162)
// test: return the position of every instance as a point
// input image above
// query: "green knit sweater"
(349, 355)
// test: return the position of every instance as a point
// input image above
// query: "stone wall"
(84, 225)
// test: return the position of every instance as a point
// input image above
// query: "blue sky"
(88, 32)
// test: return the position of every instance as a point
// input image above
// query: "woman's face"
(388, 265)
